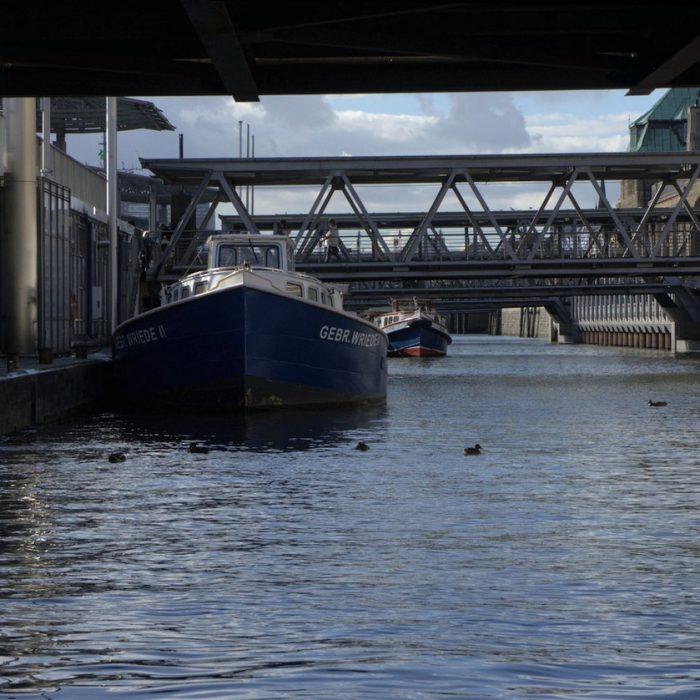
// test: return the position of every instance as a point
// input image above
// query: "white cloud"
(568, 133)
(307, 126)
(297, 126)
(403, 129)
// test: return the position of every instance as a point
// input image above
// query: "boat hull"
(418, 340)
(243, 347)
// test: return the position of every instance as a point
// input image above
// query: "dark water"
(564, 562)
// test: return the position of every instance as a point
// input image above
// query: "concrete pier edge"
(34, 397)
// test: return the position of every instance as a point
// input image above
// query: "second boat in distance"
(414, 329)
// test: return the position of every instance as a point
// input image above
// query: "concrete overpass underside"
(248, 49)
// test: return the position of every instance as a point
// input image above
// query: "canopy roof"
(85, 115)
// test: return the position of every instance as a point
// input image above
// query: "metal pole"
(247, 155)
(252, 189)
(46, 164)
(111, 172)
(152, 208)
(20, 251)
(240, 141)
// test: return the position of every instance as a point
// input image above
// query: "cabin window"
(265, 255)
(200, 287)
(294, 290)
(313, 293)
(261, 255)
(324, 298)
(250, 254)
(227, 256)
(185, 292)
(272, 257)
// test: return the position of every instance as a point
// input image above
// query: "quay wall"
(35, 397)
(624, 321)
(616, 321)
(526, 322)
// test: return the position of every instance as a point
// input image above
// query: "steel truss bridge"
(461, 249)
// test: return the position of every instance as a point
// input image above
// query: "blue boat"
(249, 332)
(414, 330)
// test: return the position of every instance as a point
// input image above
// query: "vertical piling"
(20, 261)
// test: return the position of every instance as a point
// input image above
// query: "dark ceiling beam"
(667, 72)
(248, 49)
(358, 49)
(213, 26)
(385, 77)
(318, 20)
(56, 81)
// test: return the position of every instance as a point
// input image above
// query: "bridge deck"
(474, 242)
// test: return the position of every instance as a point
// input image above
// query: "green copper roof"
(663, 127)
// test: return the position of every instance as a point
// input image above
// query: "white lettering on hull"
(140, 337)
(338, 334)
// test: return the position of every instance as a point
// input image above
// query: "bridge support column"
(684, 309)
(687, 337)
(560, 311)
(20, 251)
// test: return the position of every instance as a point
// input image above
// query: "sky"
(382, 125)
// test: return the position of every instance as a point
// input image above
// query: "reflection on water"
(563, 562)
(281, 429)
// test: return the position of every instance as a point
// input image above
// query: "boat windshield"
(239, 254)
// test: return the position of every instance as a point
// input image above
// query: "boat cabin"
(235, 249)
(267, 255)
(404, 311)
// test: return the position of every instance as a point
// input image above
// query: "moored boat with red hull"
(414, 330)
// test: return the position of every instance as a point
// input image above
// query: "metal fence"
(73, 274)
(54, 294)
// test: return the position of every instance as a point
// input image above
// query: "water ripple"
(562, 562)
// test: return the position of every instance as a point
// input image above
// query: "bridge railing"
(646, 242)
